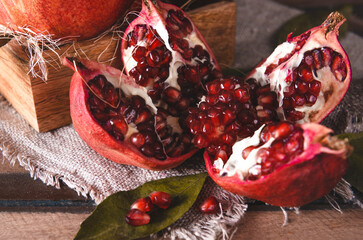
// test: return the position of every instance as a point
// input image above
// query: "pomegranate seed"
(310, 99)
(160, 199)
(119, 125)
(200, 141)
(293, 115)
(299, 100)
(136, 217)
(210, 205)
(213, 87)
(317, 58)
(268, 100)
(282, 130)
(139, 53)
(306, 74)
(301, 87)
(143, 116)
(137, 139)
(242, 95)
(314, 87)
(172, 95)
(143, 204)
(326, 53)
(308, 59)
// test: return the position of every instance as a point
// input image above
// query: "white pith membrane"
(235, 163)
(280, 73)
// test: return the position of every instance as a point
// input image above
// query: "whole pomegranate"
(256, 143)
(80, 19)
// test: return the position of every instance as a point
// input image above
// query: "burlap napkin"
(60, 156)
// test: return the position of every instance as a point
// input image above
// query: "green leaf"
(108, 219)
(354, 174)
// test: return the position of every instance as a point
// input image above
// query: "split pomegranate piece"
(117, 118)
(310, 73)
(302, 81)
(164, 52)
(283, 164)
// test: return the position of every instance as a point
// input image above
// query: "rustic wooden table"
(31, 210)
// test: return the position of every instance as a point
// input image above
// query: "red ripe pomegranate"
(79, 19)
(283, 164)
(163, 51)
(310, 73)
(116, 117)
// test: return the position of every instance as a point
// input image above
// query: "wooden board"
(45, 106)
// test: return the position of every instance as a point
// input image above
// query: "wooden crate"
(45, 105)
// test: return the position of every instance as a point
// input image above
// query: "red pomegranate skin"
(308, 177)
(93, 134)
(78, 19)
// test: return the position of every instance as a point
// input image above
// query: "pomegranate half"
(116, 118)
(79, 19)
(283, 164)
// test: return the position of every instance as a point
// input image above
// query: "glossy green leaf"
(108, 219)
(354, 174)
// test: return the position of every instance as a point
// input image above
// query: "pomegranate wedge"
(310, 73)
(116, 117)
(283, 164)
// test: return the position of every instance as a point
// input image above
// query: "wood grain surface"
(31, 210)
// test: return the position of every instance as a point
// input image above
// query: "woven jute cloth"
(60, 157)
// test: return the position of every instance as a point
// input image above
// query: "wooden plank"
(309, 224)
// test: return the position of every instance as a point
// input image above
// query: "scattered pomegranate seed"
(160, 199)
(143, 204)
(136, 217)
(210, 205)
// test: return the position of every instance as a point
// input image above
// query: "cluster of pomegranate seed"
(287, 143)
(153, 63)
(233, 109)
(209, 205)
(152, 59)
(138, 216)
(304, 82)
(154, 136)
